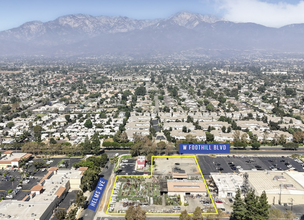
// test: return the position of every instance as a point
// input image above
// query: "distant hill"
(184, 33)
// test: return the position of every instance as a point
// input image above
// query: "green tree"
(38, 164)
(89, 180)
(14, 100)
(72, 214)
(184, 215)
(88, 123)
(95, 143)
(289, 215)
(60, 215)
(10, 125)
(256, 145)
(135, 213)
(209, 137)
(282, 139)
(291, 145)
(251, 201)
(239, 210)
(67, 118)
(37, 132)
(275, 214)
(298, 136)
(210, 107)
(149, 158)
(86, 146)
(52, 141)
(197, 214)
(140, 91)
(124, 137)
(263, 207)
(80, 199)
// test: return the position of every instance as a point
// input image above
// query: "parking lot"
(12, 183)
(30, 176)
(233, 164)
(128, 168)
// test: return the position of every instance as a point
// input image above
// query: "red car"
(218, 201)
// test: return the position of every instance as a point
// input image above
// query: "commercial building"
(186, 187)
(227, 183)
(11, 159)
(141, 162)
(43, 198)
(280, 187)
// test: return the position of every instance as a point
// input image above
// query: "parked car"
(9, 196)
(176, 208)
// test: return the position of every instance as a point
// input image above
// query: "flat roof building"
(11, 159)
(186, 187)
(280, 187)
(44, 197)
(227, 183)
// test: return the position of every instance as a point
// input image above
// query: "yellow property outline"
(152, 158)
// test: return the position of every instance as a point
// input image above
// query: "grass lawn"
(60, 162)
(109, 140)
(126, 157)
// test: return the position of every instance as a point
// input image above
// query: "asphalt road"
(106, 173)
(273, 152)
(147, 218)
(111, 153)
(298, 210)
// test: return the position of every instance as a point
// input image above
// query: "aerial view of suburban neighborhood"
(137, 113)
(107, 140)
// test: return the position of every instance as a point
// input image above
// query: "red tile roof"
(82, 168)
(60, 191)
(37, 188)
(53, 168)
(8, 152)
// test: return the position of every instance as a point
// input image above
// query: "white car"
(9, 196)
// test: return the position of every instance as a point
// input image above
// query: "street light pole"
(280, 202)
(291, 203)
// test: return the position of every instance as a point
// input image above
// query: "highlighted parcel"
(176, 183)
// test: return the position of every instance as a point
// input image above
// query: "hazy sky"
(272, 13)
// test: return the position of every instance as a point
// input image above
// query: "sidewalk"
(106, 199)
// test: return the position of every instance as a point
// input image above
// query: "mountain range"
(183, 34)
